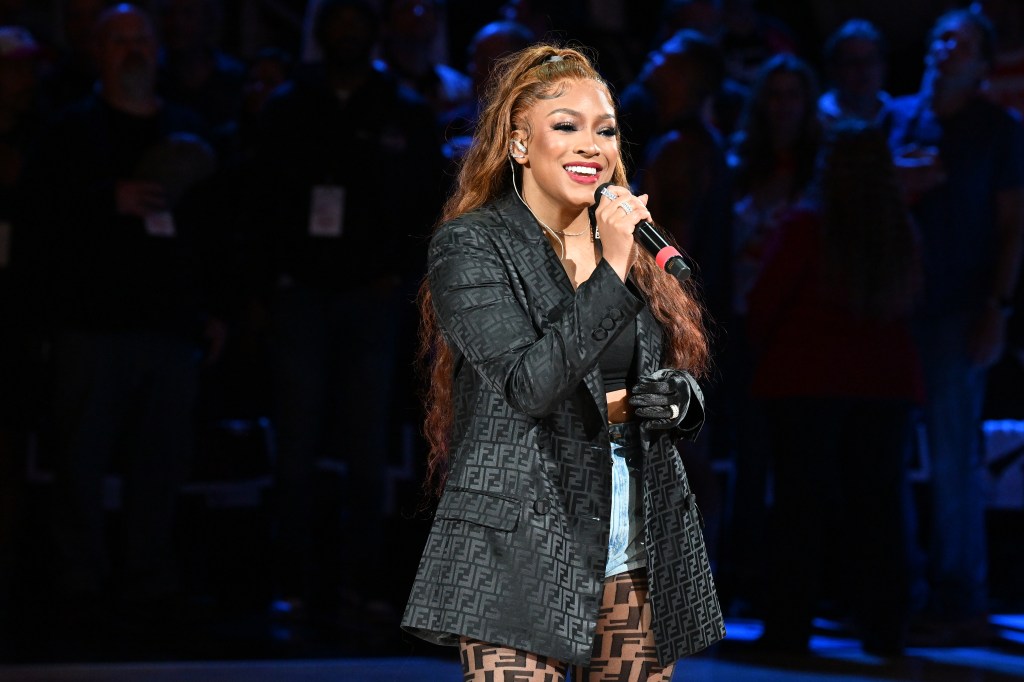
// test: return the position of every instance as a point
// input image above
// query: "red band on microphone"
(664, 255)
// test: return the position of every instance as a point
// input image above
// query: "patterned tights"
(623, 645)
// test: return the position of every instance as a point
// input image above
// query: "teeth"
(581, 170)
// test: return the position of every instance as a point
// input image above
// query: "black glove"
(663, 401)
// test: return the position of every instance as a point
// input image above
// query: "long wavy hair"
(754, 149)
(869, 241)
(518, 82)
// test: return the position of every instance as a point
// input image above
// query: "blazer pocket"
(483, 509)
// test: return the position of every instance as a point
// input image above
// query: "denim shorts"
(626, 550)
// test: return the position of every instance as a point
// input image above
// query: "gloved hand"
(662, 399)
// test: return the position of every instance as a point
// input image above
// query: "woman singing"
(563, 365)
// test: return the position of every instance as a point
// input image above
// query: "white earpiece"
(518, 144)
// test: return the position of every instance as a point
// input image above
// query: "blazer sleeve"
(473, 295)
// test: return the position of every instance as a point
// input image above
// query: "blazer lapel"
(550, 291)
(533, 254)
(595, 383)
(649, 337)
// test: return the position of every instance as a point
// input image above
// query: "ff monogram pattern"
(624, 648)
(516, 554)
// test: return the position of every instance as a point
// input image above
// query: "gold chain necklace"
(574, 234)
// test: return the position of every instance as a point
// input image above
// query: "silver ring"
(673, 411)
(626, 207)
(608, 194)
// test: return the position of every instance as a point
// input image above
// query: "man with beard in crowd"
(348, 165)
(127, 318)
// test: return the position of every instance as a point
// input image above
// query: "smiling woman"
(573, 145)
(563, 366)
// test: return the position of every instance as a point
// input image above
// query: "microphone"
(654, 240)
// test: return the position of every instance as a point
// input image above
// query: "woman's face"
(785, 105)
(859, 68)
(572, 148)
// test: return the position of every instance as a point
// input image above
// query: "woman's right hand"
(616, 226)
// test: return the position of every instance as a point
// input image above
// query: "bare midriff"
(619, 409)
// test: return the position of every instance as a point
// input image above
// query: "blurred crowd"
(217, 210)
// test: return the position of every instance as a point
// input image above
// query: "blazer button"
(541, 506)
(608, 323)
(599, 334)
(615, 314)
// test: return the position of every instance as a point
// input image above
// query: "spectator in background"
(686, 175)
(773, 160)
(638, 115)
(408, 42)
(74, 74)
(270, 69)
(349, 166)
(20, 349)
(193, 71)
(239, 384)
(723, 110)
(685, 169)
(489, 44)
(773, 156)
(110, 188)
(1005, 82)
(750, 38)
(855, 59)
(962, 164)
(838, 371)
(1005, 86)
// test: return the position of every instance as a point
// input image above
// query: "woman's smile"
(584, 173)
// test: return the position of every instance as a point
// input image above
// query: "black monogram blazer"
(516, 555)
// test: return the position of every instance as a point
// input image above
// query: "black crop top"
(617, 362)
